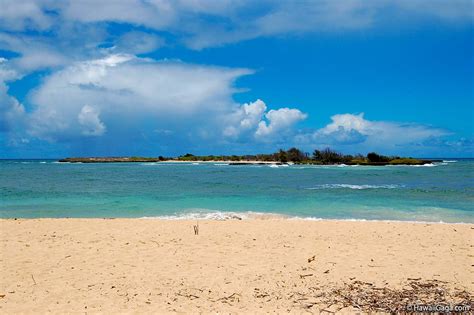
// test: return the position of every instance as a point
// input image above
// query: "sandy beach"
(248, 266)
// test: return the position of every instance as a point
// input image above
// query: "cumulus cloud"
(89, 119)
(353, 129)
(124, 87)
(124, 98)
(245, 118)
(251, 121)
(279, 120)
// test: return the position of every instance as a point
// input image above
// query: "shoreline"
(237, 266)
(220, 216)
(276, 217)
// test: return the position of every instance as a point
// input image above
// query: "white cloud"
(138, 43)
(89, 119)
(25, 14)
(245, 118)
(11, 111)
(133, 90)
(153, 14)
(355, 130)
(252, 113)
(323, 16)
(347, 122)
(39, 52)
(122, 96)
(7, 72)
(279, 120)
(201, 24)
(251, 121)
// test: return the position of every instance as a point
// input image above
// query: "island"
(291, 156)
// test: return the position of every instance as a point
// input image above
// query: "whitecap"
(351, 186)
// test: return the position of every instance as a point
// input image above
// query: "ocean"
(439, 192)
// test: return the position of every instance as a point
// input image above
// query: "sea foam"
(206, 214)
(350, 186)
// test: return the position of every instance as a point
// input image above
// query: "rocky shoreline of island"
(282, 157)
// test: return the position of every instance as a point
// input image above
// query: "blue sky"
(165, 78)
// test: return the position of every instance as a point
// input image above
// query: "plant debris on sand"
(367, 297)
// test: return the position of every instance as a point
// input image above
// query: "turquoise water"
(439, 192)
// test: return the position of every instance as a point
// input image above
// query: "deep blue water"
(34, 188)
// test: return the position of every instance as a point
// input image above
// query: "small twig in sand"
(328, 311)
(33, 279)
(233, 296)
(196, 228)
(307, 275)
(63, 259)
(189, 296)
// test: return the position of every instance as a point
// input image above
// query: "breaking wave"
(349, 186)
(204, 214)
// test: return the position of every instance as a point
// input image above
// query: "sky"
(158, 77)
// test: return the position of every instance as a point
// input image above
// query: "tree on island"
(282, 156)
(328, 156)
(377, 158)
(295, 155)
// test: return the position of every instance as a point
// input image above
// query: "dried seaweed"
(366, 297)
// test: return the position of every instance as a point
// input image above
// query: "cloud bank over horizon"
(100, 92)
(128, 98)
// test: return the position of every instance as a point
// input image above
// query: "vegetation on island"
(319, 157)
(293, 155)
